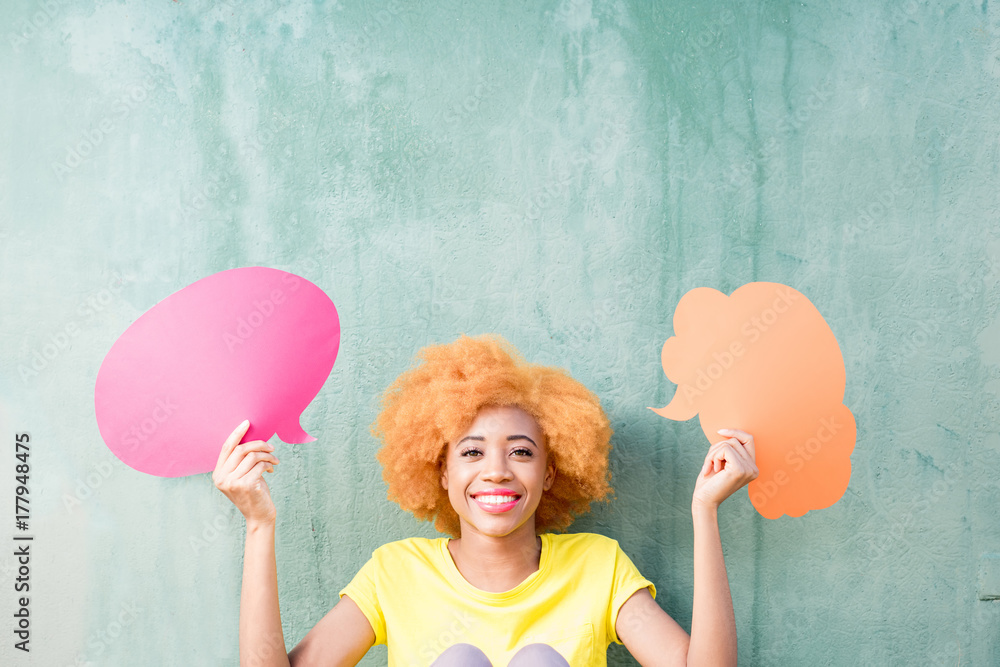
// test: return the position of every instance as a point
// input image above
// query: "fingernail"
(725, 430)
(244, 422)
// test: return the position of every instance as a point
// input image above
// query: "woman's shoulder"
(414, 546)
(583, 541)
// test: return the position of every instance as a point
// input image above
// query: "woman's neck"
(496, 564)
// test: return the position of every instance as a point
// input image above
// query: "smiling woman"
(499, 454)
(436, 402)
(496, 473)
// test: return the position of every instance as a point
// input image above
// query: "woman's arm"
(342, 637)
(648, 632)
(239, 474)
(713, 624)
(262, 641)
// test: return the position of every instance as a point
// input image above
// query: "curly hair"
(435, 401)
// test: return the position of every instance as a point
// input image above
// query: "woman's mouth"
(496, 504)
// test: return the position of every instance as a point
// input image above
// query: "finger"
(714, 450)
(731, 456)
(257, 472)
(251, 460)
(234, 439)
(255, 476)
(743, 451)
(724, 459)
(709, 463)
(240, 452)
(719, 455)
(738, 461)
(738, 449)
(743, 438)
(724, 453)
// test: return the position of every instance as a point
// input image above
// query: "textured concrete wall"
(560, 173)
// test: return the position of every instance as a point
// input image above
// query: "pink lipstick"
(496, 501)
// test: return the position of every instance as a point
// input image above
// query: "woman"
(498, 452)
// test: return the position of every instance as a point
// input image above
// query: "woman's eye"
(522, 451)
(469, 452)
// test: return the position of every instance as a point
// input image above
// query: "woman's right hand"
(239, 474)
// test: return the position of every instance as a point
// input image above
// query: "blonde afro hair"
(435, 401)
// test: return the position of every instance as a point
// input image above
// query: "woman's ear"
(550, 477)
(443, 466)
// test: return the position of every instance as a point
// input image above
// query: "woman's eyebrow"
(520, 437)
(478, 438)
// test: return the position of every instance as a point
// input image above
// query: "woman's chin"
(495, 526)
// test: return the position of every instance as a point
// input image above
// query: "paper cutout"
(765, 361)
(251, 343)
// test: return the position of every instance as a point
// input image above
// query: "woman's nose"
(496, 468)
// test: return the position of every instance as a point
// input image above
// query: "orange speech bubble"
(765, 361)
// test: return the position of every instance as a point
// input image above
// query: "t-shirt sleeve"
(627, 581)
(363, 592)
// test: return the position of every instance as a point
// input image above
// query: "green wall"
(557, 172)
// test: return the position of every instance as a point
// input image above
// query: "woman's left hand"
(729, 466)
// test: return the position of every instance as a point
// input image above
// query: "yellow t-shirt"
(419, 604)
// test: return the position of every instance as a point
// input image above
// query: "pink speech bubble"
(251, 343)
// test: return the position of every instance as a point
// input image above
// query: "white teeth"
(495, 500)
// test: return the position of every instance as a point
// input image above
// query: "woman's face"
(496, 471)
